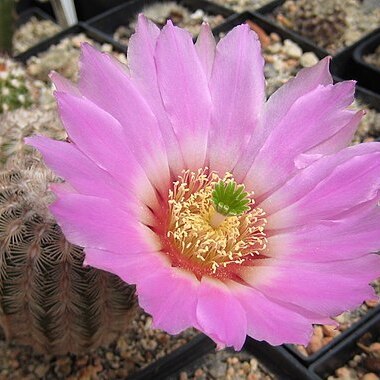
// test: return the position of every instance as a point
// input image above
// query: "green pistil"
(230, 199)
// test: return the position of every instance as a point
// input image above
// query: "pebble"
(242, 5)
(308, 59)
(292, 49)
(227, 365)
(370, 376)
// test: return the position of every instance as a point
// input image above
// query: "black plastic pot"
(73, 30)
(344, 351)
(108, 22)
(368, 74)
(275, 359)
(278, 360)
(345, 66)
(24, 17)
(177, 360)
(269, 27)
(88, 9)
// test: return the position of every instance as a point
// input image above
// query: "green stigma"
(230, 199)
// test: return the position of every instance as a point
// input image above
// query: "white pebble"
(308, 59)
(292, 49)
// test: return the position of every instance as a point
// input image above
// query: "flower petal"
(311, 120)
(87, 178)
(95, 222)
(237, 88)
(141, 50)
(205, 47)
(129, 266)
(220, 314)
(109, 86)
(64, 85)
(184, 91)
(279, 104)
(273, 321)
(170, 296)
(333, 188)
(98, 135)
(330, 240)
(340, 139)
(323, 288)
(306, 180)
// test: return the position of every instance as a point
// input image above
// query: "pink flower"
(149, 143)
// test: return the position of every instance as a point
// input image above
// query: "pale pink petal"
(323, 288)
(87, 178)
(307, 80)
(95, 222)
(340, 139)
(205, 47)
(141, 50)
(278, 105)
(170, 296)
(237, 88)
(107, 147)
(72, 165)
(111, 89)
(349, 184)
(129, 266)
(308, 179)
(220, 315)
(327, 240)
(272, 320)
(184, 91)
(62, 84)
(311, 120)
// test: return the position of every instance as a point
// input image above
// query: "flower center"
(212, 224)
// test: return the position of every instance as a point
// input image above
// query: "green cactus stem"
(6, 25)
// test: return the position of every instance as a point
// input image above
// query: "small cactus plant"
(47, 298)
(14, 91)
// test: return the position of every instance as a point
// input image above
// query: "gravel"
(365, 365)
(362, 17)
(240, 6)
(64, 57)
(159, 13)
(225, 365)
(32, 32)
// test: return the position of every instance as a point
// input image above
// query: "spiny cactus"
(14, 91)
(322, 21)
(16, 125)
(47, 298)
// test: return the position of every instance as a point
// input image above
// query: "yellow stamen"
(203, 235)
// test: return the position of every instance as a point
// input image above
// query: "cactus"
(15, 90)
(322, 21)
(6, 25)
(20, 123)
(47, 298)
